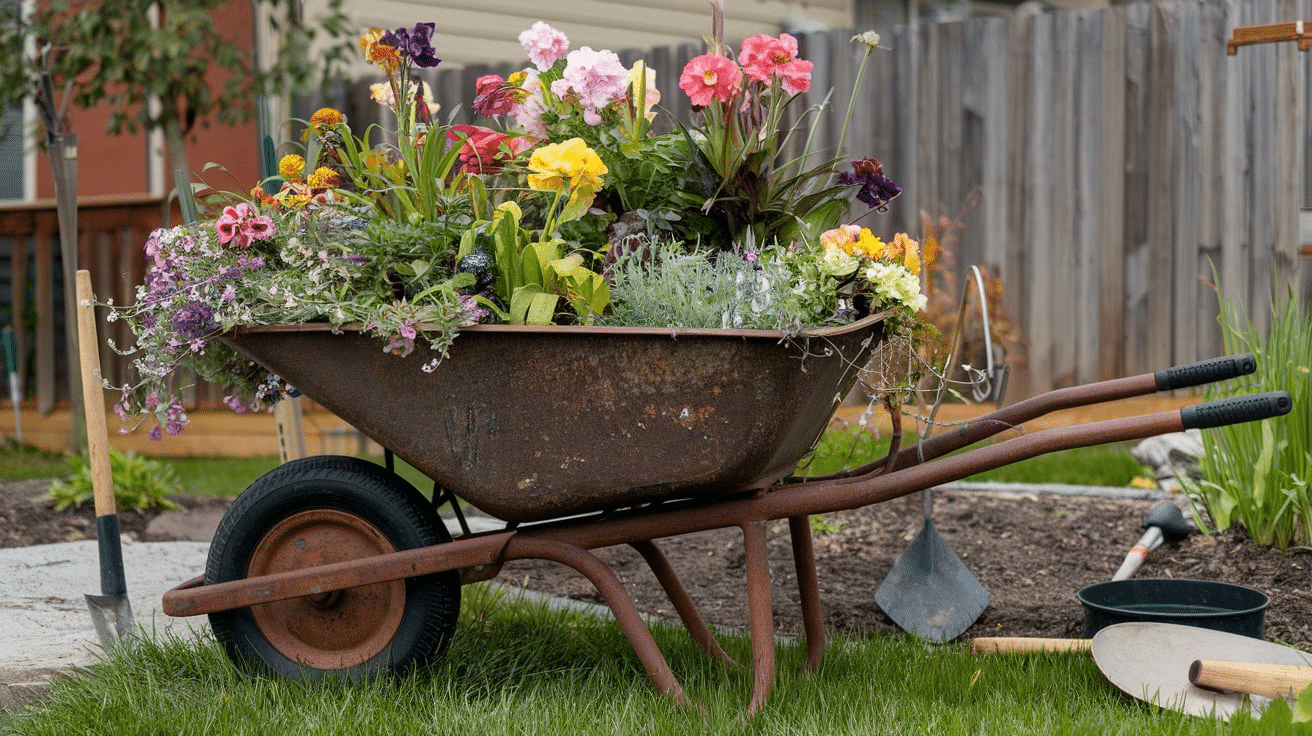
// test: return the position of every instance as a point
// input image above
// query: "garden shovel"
(110, 611)
(930, 592)
(1160, 663)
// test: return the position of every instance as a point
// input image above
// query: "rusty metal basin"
(531, 423)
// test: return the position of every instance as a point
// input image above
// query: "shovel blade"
(930, 592)
(112, 617)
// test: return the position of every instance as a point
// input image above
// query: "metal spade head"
(930, 591)
(111, 615)
(1151, 661)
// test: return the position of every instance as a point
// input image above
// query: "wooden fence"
(1100, 162)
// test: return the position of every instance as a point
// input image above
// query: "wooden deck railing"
(111, 233)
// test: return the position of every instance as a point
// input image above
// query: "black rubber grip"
(1205, 371)
(1237, 409)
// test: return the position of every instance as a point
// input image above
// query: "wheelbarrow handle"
(1205, 371)
(1236, 409)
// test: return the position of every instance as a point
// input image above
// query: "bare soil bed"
(1032, 552)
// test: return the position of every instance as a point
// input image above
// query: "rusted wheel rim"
(334, 630)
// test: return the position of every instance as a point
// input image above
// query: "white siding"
(486, 31)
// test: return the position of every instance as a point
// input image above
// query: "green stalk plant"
(1257, 474)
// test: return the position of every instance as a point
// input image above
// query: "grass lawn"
(517, 668)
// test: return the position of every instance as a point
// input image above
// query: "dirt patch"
(27, 518)
(1032, 552)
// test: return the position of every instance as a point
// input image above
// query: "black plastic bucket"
(1208, 604)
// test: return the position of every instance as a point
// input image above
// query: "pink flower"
(241, 223)
(257, 228)
(593, 78)
(711, 77)
(485, 151)
(764, 58)
(544, 45)
(228, 225)
(528, 116)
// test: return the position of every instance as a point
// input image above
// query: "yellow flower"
(839, 238)
(324, 178)
(568, 166)
(326, 117)
(554, 163)
(868, 245)
(910, 250)
(291, 167)
(376, 52)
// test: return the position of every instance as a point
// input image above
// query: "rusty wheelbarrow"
(577, 438)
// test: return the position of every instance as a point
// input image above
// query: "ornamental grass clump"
(564, 207)
(1258, 474)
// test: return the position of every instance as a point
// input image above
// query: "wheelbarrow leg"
(808, 586)
(683, 603)
(616, 597)
(759, 615)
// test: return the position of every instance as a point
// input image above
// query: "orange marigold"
(326, 117)
(291, 167)
(324, 178)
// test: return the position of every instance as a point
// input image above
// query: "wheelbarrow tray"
(530, 423)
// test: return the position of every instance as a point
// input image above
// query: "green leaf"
(1277, 720)
(1303, 706)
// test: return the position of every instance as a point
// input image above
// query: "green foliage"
(112, 52)
(534, 275)
(139, 483)
(1279, 719)
(1257, 474)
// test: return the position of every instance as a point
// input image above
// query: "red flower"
(485, 151)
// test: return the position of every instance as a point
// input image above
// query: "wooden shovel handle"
(1254, 678)
(1026, 645)
(93, 397)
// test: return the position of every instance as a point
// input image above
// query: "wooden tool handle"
(1255, 678)
(93, 398)
(1026, 645)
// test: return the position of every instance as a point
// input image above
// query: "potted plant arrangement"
(568, 210)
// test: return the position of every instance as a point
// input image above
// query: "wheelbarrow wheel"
(321, 510)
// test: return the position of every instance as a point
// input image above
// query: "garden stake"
(111, 612)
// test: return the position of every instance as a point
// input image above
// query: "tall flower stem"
(871, 40)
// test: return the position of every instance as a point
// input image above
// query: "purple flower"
(877, 190)
(415, 43)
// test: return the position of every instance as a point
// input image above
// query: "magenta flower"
(711, 77)
(765, 58)
(544, 45)
(493, 96)
(594, 79)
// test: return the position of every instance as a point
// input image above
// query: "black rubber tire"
(372, 494)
